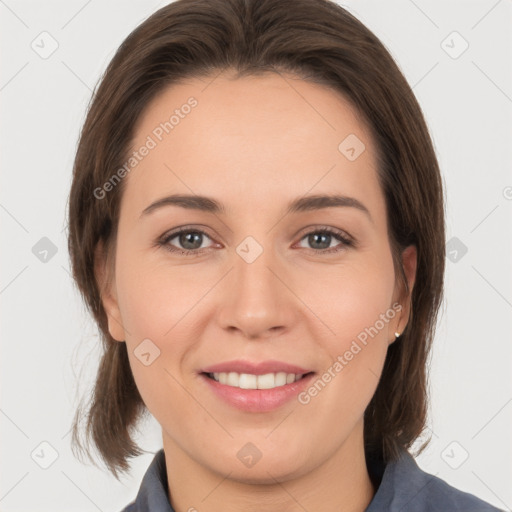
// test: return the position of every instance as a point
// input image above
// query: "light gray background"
(49, 345)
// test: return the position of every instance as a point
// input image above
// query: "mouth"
(256, 386)
(251, 381)
(256, 393)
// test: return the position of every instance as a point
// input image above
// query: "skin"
(254, 144)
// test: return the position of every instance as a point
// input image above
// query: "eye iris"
(313, 238)
(188, 240)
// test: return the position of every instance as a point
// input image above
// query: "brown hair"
(320, 42)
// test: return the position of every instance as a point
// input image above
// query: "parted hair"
(320, 42)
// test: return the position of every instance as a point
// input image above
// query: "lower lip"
(258, 400)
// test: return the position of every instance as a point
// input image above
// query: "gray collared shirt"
(403, 487)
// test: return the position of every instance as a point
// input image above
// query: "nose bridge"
(256, 301)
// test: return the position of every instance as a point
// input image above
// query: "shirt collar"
(153, 492)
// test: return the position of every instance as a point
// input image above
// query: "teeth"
(249, 381)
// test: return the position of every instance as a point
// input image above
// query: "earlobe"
(106, 283)
(397, 333)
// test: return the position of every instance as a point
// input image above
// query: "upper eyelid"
(169, 235)
(329, 229)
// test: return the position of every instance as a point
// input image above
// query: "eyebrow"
(302, 204)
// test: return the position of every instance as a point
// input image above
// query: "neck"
(341, 483)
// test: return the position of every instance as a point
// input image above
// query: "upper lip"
(254, 368)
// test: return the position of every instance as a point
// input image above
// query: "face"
(309, 290)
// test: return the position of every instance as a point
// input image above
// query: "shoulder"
(438, 494)
(405, 486)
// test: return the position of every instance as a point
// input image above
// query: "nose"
(257, 301)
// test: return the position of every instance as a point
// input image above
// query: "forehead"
(251, 141)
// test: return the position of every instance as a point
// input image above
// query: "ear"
(404, 298)
(104, 273)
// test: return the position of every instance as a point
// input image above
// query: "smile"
(250, 381)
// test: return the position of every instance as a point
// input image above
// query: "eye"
(186, 241)
(189, 241)
(320, 240)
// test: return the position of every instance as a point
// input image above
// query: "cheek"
(161, 313)
(157, 309)
(351, 298)
(356, 303)
(156, 299)
(354, 362)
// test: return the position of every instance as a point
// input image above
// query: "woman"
(257, 225)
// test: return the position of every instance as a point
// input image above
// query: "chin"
(267, 469)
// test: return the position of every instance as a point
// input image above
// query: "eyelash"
(339, 235)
